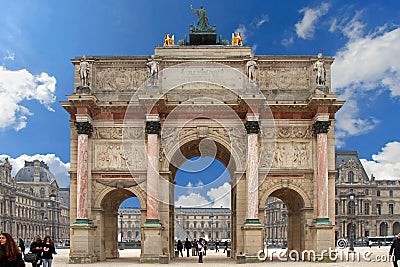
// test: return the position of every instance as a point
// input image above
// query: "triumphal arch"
(135, 119)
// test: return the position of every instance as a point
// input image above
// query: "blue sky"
(38, 39)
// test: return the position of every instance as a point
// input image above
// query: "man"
(188, 246)
(395, 250)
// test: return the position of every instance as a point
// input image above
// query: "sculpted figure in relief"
(251, 66)
(319, 66)
(83, 70)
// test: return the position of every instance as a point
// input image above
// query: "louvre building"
(31, 203)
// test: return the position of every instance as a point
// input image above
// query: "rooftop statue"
(237, 40)
(202, 22)
(319, 66)
(169, 41)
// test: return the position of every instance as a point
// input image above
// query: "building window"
(42, 192)
(352, 208)
(378, 209)
(351, 177)
(378, 193)
(366, 192)
(391, 208)
(336, 208)
(366, 208)
(391, 193)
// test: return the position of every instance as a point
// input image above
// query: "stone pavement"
(364, 256)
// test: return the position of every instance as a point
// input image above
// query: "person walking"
(48, 251)
(216, 246)
(37, 248)
(188, 246)
(10, 255)
(394, 251)
(200, 246)
(21, 245)
(179, 247)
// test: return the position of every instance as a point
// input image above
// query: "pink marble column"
(253, 129)
(84, 129)
(321, 129)
(153, 130)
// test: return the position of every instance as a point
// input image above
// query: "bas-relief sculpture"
(283, 78)
(128, 133)
(290, 155)
(119, 78)
(116, 156)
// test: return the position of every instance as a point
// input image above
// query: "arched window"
(350, 177)
(42, 192)
(352, 208)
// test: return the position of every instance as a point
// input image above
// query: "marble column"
(321, 129)
(84, 129)
(252, 128)
(153, 130)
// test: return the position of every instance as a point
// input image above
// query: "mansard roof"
(344, 156)
(26, 174)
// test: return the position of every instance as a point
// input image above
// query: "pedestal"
(82, 243)
(253, 239)
(323, 238)
(152, 246)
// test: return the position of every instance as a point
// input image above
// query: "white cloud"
(214, 198)
(385, 164)
(262, 21)
(366, 64)
(17, 86)
(10, 56)
(287, 41)
(221, 196)
(243, 31)
(193, 200)
(349, 122)
(57, 167)
(306, 27)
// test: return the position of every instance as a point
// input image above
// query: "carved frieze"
(284, 78)
(117, 156)
(127, 133)
(119, 78)
(287, 155)
(294, 132)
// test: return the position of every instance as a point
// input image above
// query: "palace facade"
(364, 206)
(31, 203)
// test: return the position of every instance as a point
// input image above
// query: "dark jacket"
(188, 245)
(34, 246)
(395, 248)
(48, 251)
(19, 262)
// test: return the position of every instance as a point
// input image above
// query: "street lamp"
(352, 212)
(212, 226)
(52, 198)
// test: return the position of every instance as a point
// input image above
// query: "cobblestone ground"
(130, 257)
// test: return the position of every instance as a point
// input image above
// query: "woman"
(10, 255)
(48, 251)
(37, 248)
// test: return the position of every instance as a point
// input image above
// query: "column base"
(323, 236)
(323, 221)
(82, 242)
(252, 241)
(152, 251)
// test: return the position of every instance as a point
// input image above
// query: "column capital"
(83, 127)
(153, 127)
(252, 127)
(321, 126)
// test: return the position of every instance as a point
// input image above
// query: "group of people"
(198, 247)
(11, 254)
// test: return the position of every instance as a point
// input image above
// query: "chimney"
(36, 171)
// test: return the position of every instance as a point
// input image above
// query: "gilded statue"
(169, 41)
(237, 39)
